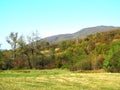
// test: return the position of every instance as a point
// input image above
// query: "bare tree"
(33, 41)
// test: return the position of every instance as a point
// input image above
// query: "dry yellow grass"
(58, 80)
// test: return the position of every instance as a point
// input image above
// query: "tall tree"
(12, 40)
(24, 50)
(29, 48)
(33, 41)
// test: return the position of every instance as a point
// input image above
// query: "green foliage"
(84, 64)
(115, 48)
(12, 40)
(92, 52)
(114, 64)
(64, 44)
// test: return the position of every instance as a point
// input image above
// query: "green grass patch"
(57, 80)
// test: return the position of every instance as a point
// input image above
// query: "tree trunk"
(29, 63)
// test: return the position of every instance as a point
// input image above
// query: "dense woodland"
(93, 52)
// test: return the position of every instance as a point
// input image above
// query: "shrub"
(84, 64)
(114, 64)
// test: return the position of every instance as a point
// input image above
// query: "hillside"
(80, 33)
(93, 52)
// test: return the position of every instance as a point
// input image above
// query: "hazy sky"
(52, 17)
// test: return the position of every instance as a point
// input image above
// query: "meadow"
(57, 79)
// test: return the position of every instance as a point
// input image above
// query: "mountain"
(57, 38)
(81, 33)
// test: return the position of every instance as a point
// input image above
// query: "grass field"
(57, 80)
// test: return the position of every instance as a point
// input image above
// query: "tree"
(64, 44)
(114, 64)
(24, 50)
(33, 41)
(44, 44)
(30, 49)
(12, 40)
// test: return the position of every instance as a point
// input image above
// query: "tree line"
(93, 52)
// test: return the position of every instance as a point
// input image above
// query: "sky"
(52, 17)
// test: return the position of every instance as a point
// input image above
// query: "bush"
(114, 65)
(84, 64)
(112, 62)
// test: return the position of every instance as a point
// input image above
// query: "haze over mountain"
(81, 33)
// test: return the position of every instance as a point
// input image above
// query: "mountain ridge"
(79, 34)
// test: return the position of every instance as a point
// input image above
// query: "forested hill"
(93, 52)
(80, 33)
